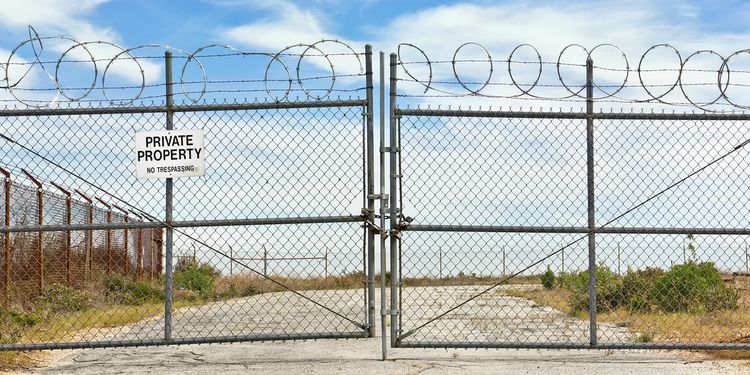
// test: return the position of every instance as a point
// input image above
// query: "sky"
(438, 28)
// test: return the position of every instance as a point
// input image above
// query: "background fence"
(32, 261)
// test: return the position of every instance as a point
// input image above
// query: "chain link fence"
(270, 244)
(37, 264)
(551, 229)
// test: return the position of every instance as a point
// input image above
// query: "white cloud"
(55, 16)
(68, 18)
(288, 25)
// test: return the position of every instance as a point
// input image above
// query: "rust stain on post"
(40, 221)
(68, 239)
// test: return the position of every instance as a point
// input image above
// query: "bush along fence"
(31, 261)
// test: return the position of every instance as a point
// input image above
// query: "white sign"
(170, 153)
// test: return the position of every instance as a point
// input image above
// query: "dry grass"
(471, 280)
(730, 326)
(78, 326)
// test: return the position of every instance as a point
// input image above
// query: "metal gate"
(619, 222)
(273, 243)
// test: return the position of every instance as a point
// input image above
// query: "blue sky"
(438, 27)
(191, 23)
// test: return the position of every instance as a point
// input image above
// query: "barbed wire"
(659, 90)
(101, 68)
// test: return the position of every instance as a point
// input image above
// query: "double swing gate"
(593, 227)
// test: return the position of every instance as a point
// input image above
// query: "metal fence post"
(504, 261)
(7, 260)
(68, 221)
(89, 234)
(394, 211)
(383, 207)
(168, 208)
(125, 241)
(138, 248)
(440, 262)
(265, 261)
(108, 243)
(590, 194)
(370, 145)
(40, 220)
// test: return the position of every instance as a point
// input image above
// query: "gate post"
(590, 196)
(370, 195)
(383, 207)
(40, 219)
(394, 211)
(168, 208)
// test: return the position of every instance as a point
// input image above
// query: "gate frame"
(366, 217)
(398, 225)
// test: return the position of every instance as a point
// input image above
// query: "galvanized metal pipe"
(182, 341)
(370, 146)
(168, 209)
(394, 203)
(430, 112)
(570, 230)
(180, 108)
(590, 197)
(563, 345)
(383, 207)
(7, 260)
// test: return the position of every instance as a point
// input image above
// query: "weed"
(57, 298)
(548, 278)
(645, 337)
(126, 291)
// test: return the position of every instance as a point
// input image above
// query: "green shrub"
(197, 278)
(126, 291)
(693, 287)
(548, 279)
(24, 318)
(565, 280)
(57, 298)
(634, 289)
(607, 290)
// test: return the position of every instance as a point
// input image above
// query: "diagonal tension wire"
(550, 255)
(153, 218)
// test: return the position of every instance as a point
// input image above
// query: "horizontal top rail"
(581, 230)
(572, 115)
(186, 224)
(180, 108)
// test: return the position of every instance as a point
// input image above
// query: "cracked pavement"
(363, 357)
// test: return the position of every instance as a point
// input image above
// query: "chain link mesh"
(494, 249)
(256, 282)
